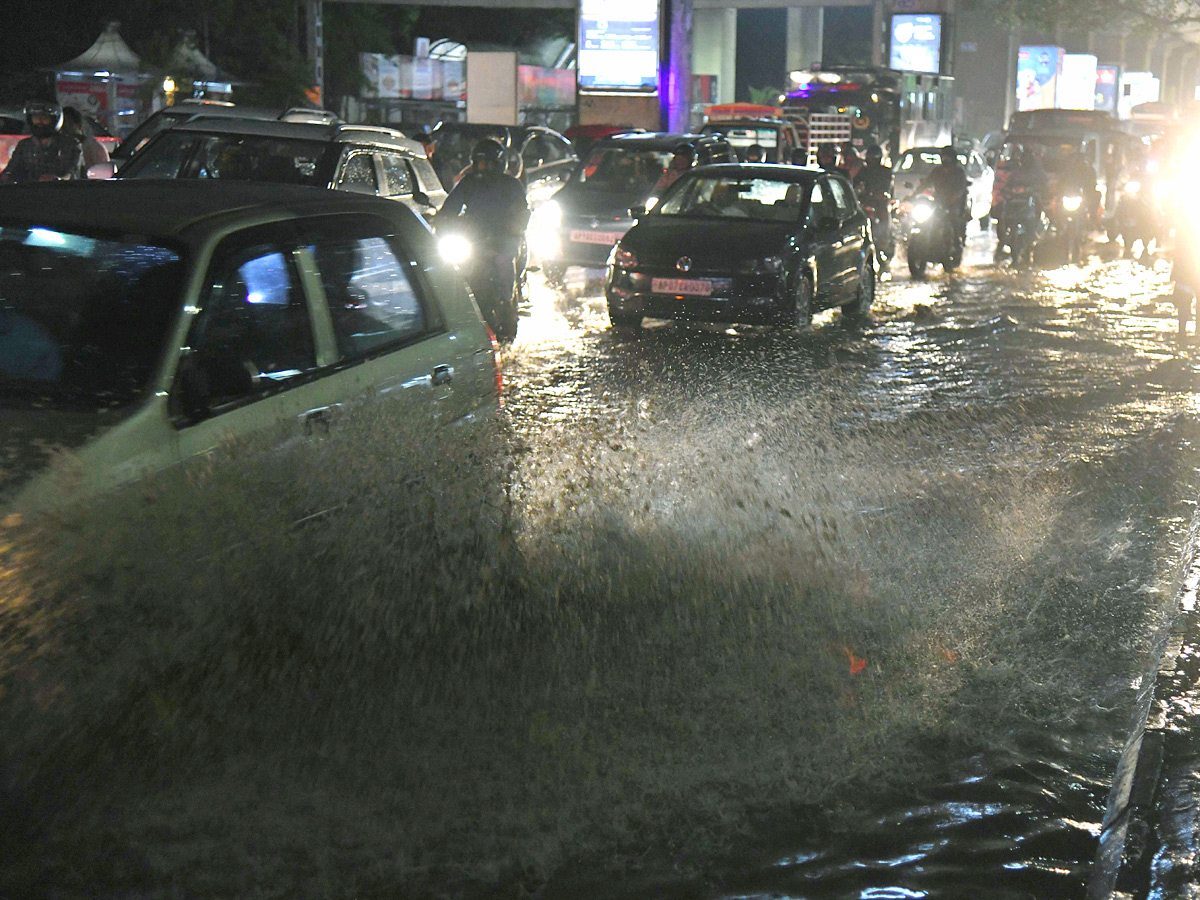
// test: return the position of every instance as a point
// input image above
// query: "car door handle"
(319, 419)
(442, 374)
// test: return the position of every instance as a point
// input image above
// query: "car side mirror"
(203, 380)
(638, 211)
(423, 198)
(101, 171)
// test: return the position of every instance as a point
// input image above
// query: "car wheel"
(860, 306)
(624, 321)
(801, 313)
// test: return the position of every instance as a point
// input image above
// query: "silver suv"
(358, 158)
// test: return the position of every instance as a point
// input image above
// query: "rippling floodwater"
(1067, 369)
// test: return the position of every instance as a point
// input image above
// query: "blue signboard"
(916, 42)
(618, 45)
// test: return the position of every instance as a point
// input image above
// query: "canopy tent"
(103, 80)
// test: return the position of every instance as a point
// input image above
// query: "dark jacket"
(60, 157)
(493, 202)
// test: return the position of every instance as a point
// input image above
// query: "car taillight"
(496, 364)
(624, 259)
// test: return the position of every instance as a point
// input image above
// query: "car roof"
(655, 140)
(773, 171)
(168, 209)
(313, 131)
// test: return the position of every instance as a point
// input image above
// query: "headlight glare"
(922, 211)
(1071, 203)
(454, 248)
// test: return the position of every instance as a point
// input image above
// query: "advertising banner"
(618, 45)
(1136, 88)
(1077, 83)
(1038, 69)
(916, 43)
(542, 88)
(1107, 78)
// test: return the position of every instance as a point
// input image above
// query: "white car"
(143, 322)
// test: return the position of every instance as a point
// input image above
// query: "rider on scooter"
(873, 184)
(496, 210)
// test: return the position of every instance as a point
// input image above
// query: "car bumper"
(749, 299)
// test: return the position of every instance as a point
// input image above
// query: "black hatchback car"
(759, 244)
(579, 226)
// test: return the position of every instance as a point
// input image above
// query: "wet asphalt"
(1091, 351)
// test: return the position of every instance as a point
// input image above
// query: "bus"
(872, 105)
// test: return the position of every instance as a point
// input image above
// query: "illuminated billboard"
(618, 45)
(1077, 82)
(1038, 69)
(916, 43)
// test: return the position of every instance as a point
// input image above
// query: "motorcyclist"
(850, 160)
(827, 159)
(48, 154)
(948, 181)
(1023, 175)
(874, 184)
(496, 209)
(1078, 175)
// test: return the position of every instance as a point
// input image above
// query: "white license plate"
(595, 237)
(694, 287)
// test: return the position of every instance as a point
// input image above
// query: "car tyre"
(860, 306)
(916, 266)
(801, 313)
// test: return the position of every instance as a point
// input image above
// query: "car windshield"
(82, 318)
(141, 135)
(1053, 153)
(761, 199)
(238, 157)
(623, 168)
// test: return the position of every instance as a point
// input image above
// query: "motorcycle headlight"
(454, 248)
(546, 217)
(1070, 203)
(922, 211)
(1132, 187)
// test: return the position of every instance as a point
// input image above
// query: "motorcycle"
(1020, 225)
(934, 237)
(496, 279)
(1139, 217)
(883, 231)
(1069, 220)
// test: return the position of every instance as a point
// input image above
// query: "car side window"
(358, 173)
(253, 333)
(397, 181)
(820, 205)
(426, 177)
(370, 291)
(844, 201)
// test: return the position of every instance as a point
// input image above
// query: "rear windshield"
(83, 319)
(623, 168)
(237, 157)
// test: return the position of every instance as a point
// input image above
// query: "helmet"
(49, 115)
(488, 150)
(874, 153)
(826, 153)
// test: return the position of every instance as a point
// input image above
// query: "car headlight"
(922, 210)
(1071, 203)
(624, 259)
(454, 248)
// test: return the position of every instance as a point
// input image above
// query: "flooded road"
(986, 383)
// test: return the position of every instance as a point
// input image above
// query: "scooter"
(1069, 219)
(1020, 225)
(934, 237)
(1139, 217)
(496, 279)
